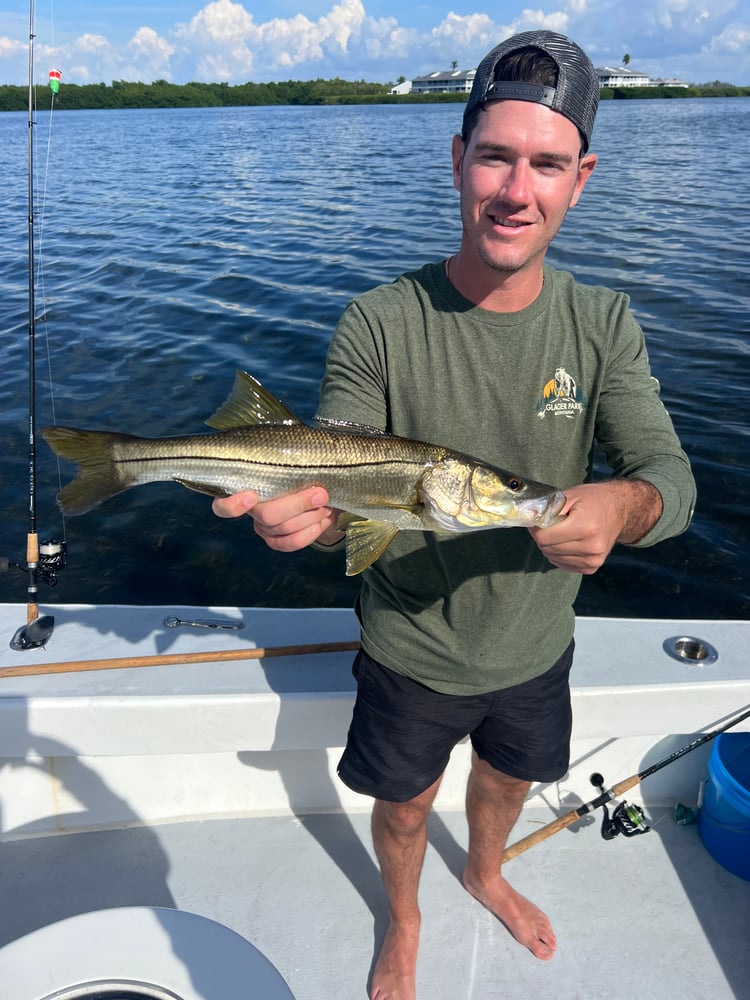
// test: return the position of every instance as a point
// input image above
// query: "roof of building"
(446, 75)
(618, 71)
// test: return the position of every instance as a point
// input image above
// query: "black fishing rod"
(47, 559)
(627, 819)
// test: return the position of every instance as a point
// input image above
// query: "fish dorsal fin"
(250, 404)
(366, 541)
(348, 427)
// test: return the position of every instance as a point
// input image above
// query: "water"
(178, 245)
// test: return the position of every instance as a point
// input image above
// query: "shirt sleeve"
(354, 386)
(636, 433)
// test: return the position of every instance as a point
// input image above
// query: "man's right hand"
(287, 523)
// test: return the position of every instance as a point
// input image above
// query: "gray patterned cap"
(576, 95)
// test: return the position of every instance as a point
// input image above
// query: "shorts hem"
(361, 787)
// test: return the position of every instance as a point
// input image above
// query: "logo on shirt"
(561, 397)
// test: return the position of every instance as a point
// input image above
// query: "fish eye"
(515, 485)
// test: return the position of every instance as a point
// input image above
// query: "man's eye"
(550, 166)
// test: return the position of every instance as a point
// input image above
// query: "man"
(495, 354)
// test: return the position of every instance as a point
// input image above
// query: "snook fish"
(384, 484)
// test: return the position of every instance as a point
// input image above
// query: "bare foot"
(395, 975)
(525, 921)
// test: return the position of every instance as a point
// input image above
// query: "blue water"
(177, 245)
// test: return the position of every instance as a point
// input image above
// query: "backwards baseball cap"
(576, 95)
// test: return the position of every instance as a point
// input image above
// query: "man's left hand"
(596, 517)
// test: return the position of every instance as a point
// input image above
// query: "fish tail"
(98, 478)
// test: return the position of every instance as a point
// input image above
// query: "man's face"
(518, 175)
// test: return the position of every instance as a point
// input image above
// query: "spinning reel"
(627, 819)
(52, 561)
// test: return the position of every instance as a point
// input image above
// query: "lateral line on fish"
(233, 460)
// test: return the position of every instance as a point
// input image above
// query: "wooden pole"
(168, 659)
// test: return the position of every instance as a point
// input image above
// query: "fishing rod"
(627, 819)
(46, 559)
(168, 659)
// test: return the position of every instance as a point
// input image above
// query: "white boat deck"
(210, 787)
(652, 916)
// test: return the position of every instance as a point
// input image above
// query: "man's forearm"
(640, 505)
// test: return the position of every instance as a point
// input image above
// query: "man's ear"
(586, 166)
(457, 154)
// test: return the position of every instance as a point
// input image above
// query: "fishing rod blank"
(569, 818)
(38, 628)
(32, 543)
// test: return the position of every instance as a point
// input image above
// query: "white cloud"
(11, 48)
(220, 21)
(466, 38)
(214, 41)
(146, 44)
(463, 29)
(346, 19)
(92, 44)
(226, 41)
(735, 39)
(730, 48)
(384, 38)
(531, 19)
(678, 17)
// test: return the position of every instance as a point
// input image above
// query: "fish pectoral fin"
(366, 541)
(250, 404)
(207, 488)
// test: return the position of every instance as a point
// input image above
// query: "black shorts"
(402, 733)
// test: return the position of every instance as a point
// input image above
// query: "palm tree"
(625, 59)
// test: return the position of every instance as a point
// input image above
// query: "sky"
(697, 41)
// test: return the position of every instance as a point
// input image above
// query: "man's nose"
(517, 183)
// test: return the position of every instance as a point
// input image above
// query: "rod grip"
(32, 560)
(539, 835)
(568, 819)
(625, 785)
(32, 548)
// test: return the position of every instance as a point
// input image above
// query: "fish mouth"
(544, 511)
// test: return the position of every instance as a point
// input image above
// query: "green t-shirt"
(530, 392)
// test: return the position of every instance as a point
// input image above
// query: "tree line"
(697, 90)
(162, 94)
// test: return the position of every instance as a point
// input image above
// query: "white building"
(622, 77)
(669, 83)
(459, 81)
(448, 81)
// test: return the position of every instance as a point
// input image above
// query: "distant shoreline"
(161, 94)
